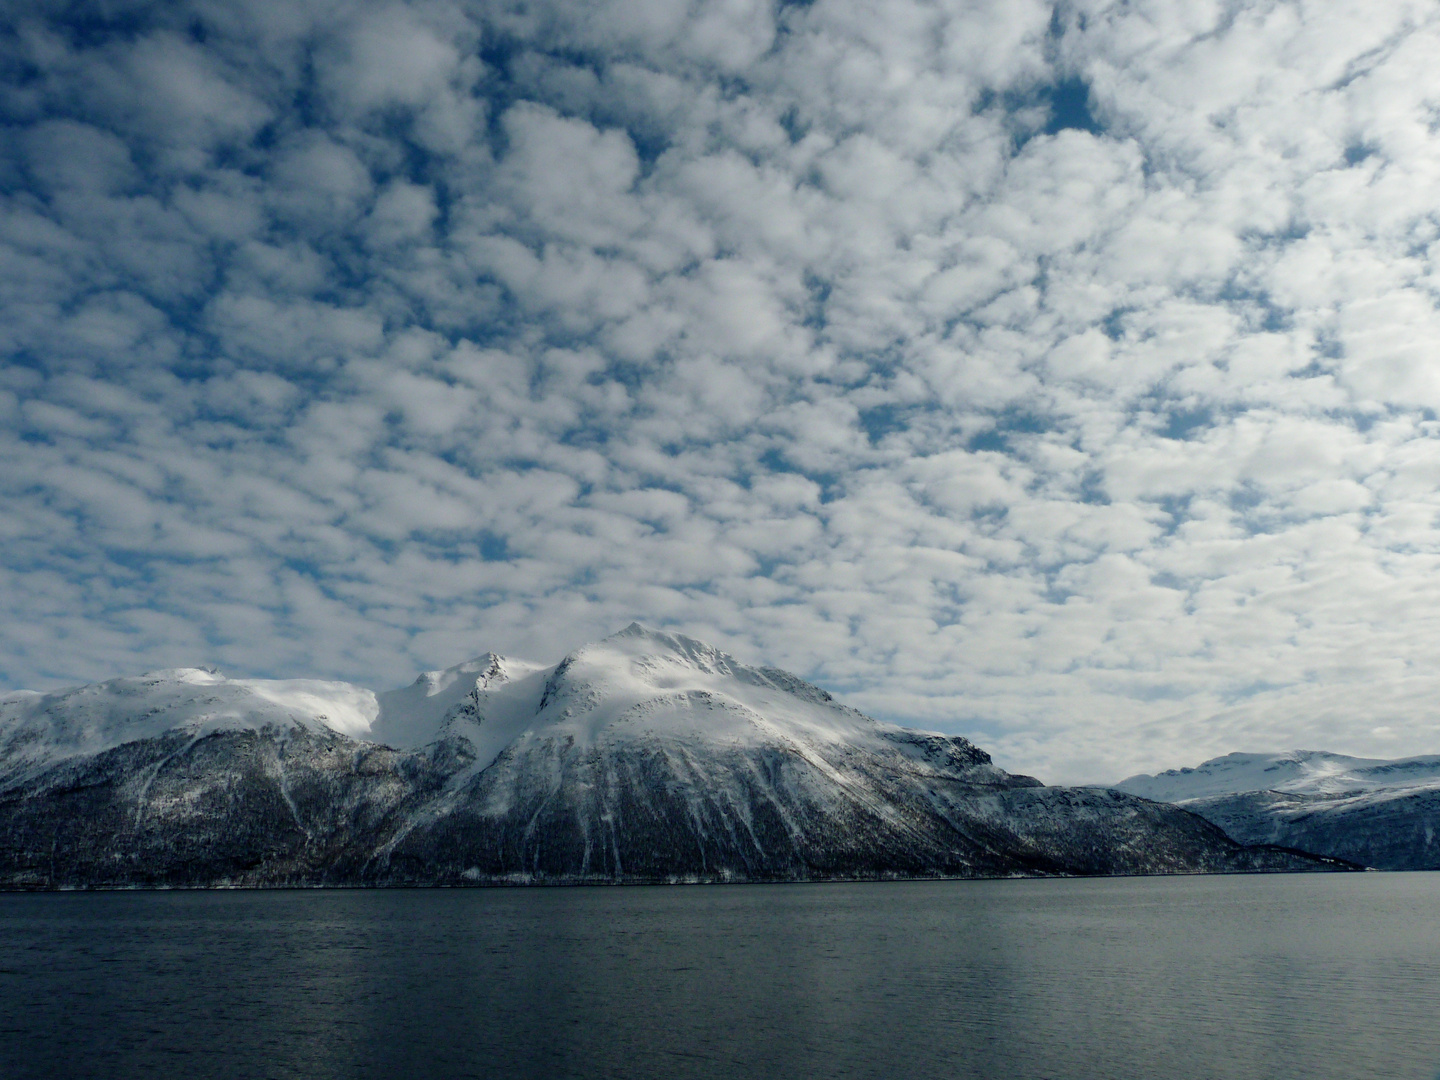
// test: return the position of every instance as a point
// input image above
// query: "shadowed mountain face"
(644, 757)
(1379, 813)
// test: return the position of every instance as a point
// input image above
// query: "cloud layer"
(1062, 375)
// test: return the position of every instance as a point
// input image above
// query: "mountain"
(1375, 812)
(643, 757)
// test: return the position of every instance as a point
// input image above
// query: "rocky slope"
(643, 757)
(1374, 812)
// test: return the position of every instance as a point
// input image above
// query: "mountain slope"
(643, 757)
(1379, 813)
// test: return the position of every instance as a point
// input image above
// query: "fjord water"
(1300, 975)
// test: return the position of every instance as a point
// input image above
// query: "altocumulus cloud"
(1061, 374)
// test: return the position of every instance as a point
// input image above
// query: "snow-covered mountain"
(643, 757)
(1375, 812)
(37, 730)
(1298, 772)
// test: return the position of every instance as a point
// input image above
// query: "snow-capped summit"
(641, 681)
(637, 683)
(644, 679)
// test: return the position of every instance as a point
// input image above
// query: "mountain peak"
(637, 644)
(663, 639)
(416, 714)
(486, 665)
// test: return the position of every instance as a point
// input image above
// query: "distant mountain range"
(645, 757)
(1379, 813)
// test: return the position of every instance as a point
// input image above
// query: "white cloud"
(792, 328)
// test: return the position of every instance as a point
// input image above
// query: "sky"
(1061, 375)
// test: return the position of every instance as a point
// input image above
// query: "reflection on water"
(1210, 977)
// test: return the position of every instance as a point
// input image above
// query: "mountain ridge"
(645, 756)
(1307, 772)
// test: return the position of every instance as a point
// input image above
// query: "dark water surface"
(1207, 977)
